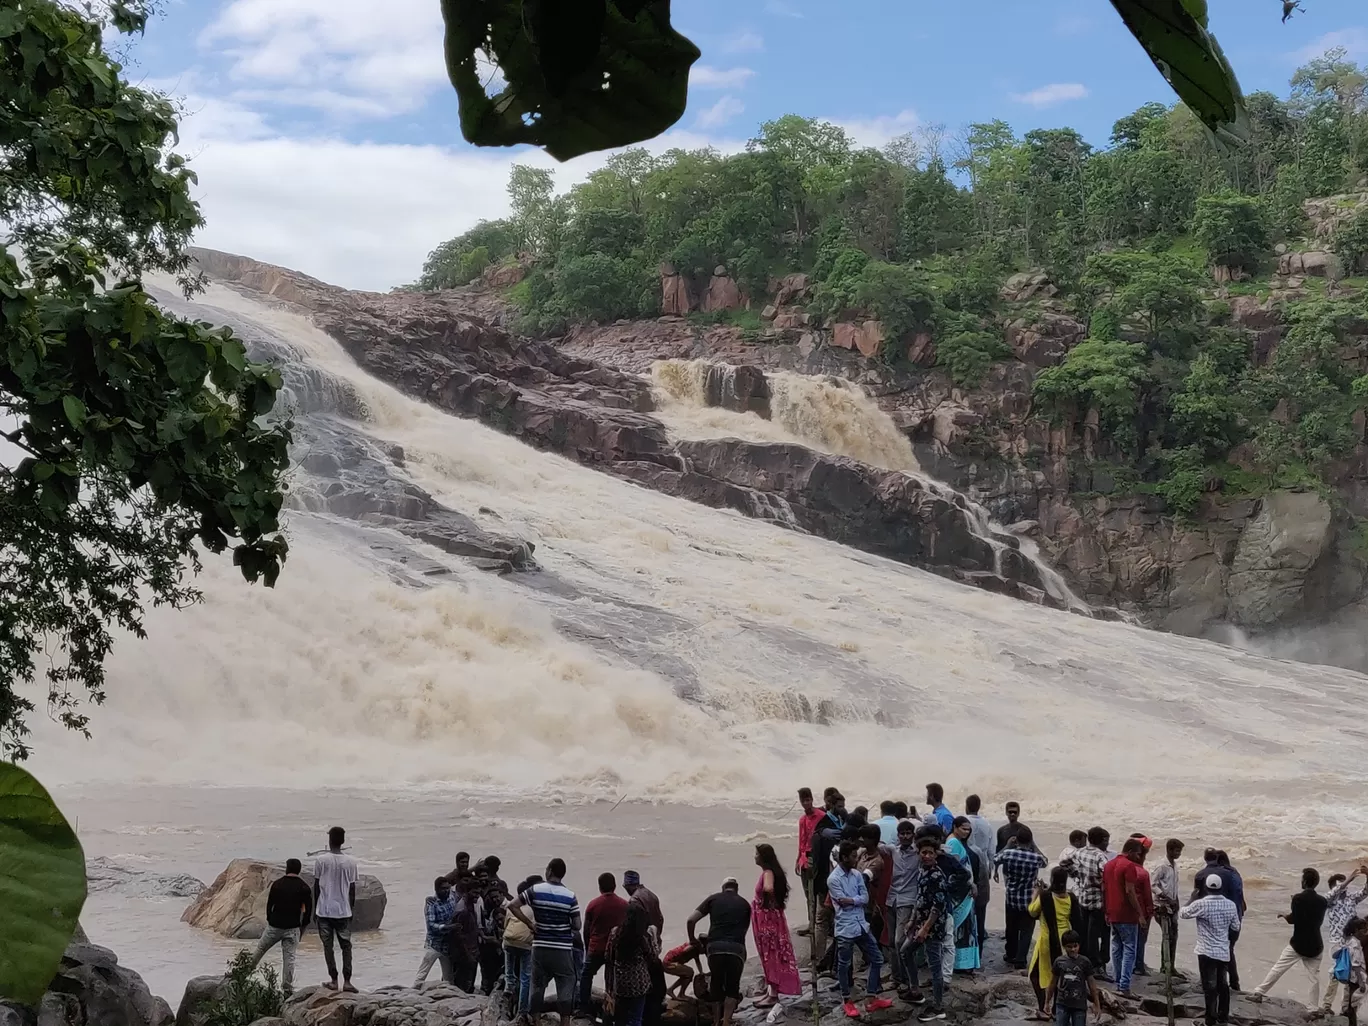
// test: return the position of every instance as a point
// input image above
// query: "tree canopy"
(137, 439)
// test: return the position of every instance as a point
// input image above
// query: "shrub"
(967, 355)
(1232, 228)
(246, 994)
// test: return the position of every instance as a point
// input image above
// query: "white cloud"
(1354, 40)
(879, 131)
(701, 76)
(783, 9)
(720, 113)
(744, 42)
(1050, 95)
(333, 54)
(363, 215)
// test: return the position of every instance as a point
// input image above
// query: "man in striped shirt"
(1218, 920)
(555, 924)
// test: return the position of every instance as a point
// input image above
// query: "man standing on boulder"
(334, 902)
(288, 905)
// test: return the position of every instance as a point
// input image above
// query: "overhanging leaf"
(1174, 33)
(581, 75)
(42, 887)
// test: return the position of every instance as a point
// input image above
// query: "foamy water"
(679, 652)
(826, 414)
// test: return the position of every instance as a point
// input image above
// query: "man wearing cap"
(631, 883)
(729, 917)
(1217, 921)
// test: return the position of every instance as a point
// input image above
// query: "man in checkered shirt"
(1218, 919)
(1085, 867)
(1021, 864)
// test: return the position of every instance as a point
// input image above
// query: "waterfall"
(835, 416)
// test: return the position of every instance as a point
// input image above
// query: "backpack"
(1344, 965)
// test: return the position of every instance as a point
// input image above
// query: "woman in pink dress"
(769, 927)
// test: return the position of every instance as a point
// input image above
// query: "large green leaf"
(1174, 33)
(581, 75)
(42, 886)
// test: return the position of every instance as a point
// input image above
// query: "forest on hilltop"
(922, 234)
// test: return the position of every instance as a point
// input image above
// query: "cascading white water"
(687, 653)
(830, 415)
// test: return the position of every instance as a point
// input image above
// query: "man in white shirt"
(334, 899)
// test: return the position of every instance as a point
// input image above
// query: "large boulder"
(1028, 285)
(1317, 263)
(792, 288)
(1277, 550)
(676, 298)
(92, 989)
(723, 293)
(1044, 339)
(199, 991)
(234, 905)
(863, 336)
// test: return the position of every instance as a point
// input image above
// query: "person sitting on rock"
(288, 907)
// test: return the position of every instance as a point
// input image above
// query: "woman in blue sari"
(967, 957)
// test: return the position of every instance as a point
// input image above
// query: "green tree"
(900, 297)
(1231, 227)
(612, 232)
(1159, 291)
(1105, 376)
(459, 261)
(1208, 413)
(1351, 241)
(808, 160)
(967, 355)
(596, 287)
(142, 436)
(537, 215)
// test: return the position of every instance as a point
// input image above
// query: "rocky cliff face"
(1258, 564)
(438, 348)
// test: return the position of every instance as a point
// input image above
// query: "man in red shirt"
(601, 917)
(1128, 902)
(806, 825)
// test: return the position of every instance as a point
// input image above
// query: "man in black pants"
(334, 894)
(1218, 920)
(728, 916)
(1085, 867)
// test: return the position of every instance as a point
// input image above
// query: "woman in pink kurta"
(769, 927)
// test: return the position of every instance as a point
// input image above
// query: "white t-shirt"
(335, 874)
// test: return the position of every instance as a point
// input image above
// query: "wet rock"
(434, 1004)
(104, 874)
(1276, 553)
(234, 905)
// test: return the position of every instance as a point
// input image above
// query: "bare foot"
(330, 985)
(350, 988)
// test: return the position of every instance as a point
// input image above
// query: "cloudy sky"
(325, 133)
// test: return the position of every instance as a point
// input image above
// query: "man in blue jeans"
(925, 931)
(849, 898)
(1129, 903)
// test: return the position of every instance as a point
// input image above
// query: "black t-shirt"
(1308, 912)
(1007, 831)
(729, 917)
(1071, 981)
(288, 903)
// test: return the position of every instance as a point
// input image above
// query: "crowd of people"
(906, 893)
